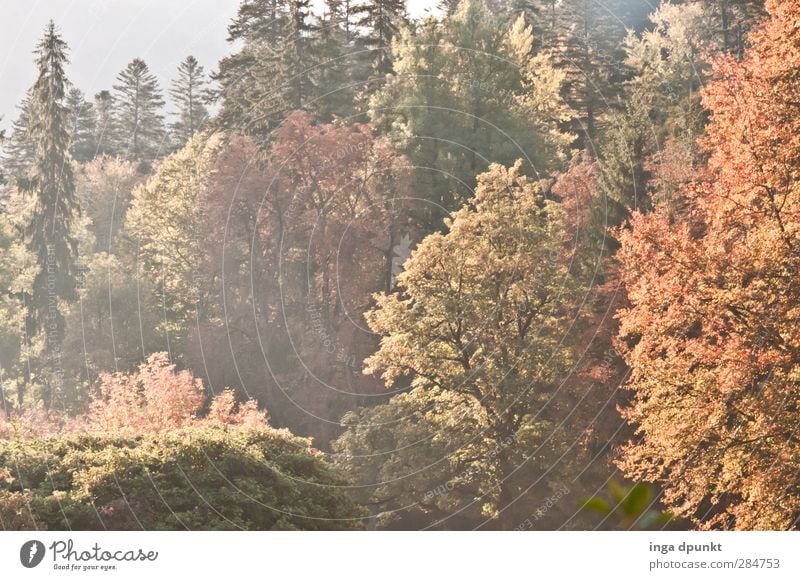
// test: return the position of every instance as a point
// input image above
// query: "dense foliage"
(488, 260)
(711, 335)
(202, 478)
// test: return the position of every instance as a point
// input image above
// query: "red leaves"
(154, 399)
(715, 354)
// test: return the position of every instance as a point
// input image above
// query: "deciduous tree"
(711, 333)
(480, 335)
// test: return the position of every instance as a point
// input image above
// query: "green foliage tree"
(466, 92)
(164, 224)
(82, 126)
(105, 125)
(276, 71)
(339, 62)
(189, 92)
(653, 135)
(16, 278)
(586, 36)
(732, 20)
(382, 20)
(18, 148)
(479, 332)
(139, 123)
(247, 78)
(49, 235)
(105, 187)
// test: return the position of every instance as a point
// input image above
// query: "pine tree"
(105, 125)
(732, 20)
(276, 70)
(189, 92)
(513, 9)
(82, 126)
(246, 78)
(137, 105)
(382, 20)
(588, 38)
(50, 182)
(18, 151)
(337, 63)
(297, 58)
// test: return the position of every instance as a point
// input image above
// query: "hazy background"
(104, 35)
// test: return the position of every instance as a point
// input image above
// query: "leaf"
(597, 504)
(637, 500)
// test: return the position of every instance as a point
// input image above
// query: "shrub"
(206, 477)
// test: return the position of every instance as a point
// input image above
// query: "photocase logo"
(31, 553)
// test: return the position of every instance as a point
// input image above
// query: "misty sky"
(104, 35)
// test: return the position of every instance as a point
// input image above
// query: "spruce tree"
(732, 20)
(190, 93)
(18, 150)
(530, 9)
(337, 62)
(382, 20)
(249, 79)
(50, 182)
(467, 93)
(105, 126)
(588, 38)
(137, 104)
(297, 57)
(82, 126)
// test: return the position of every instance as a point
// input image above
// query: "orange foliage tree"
(712, 333)
(154, 399)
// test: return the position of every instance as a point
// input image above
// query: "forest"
(513, 265)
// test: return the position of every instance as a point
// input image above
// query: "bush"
(206, 477)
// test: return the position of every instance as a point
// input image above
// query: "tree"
(382, 20)
(16, 276)
(248, 78)
(137, 108)
(143, 445)
(294, 243)
(662, 116)
(298, 57)
(50, 182)
(164, 222)
(478, 336)
(113, 326)
(467, 93)
(18, 150)
(710, 333)
(276, 71)
(105, 187)
(189, 93)
(106, 128)
(82, 127)
(156, 399)
(670, 67)
(587, 36)
(338, 62)
(732, 21)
